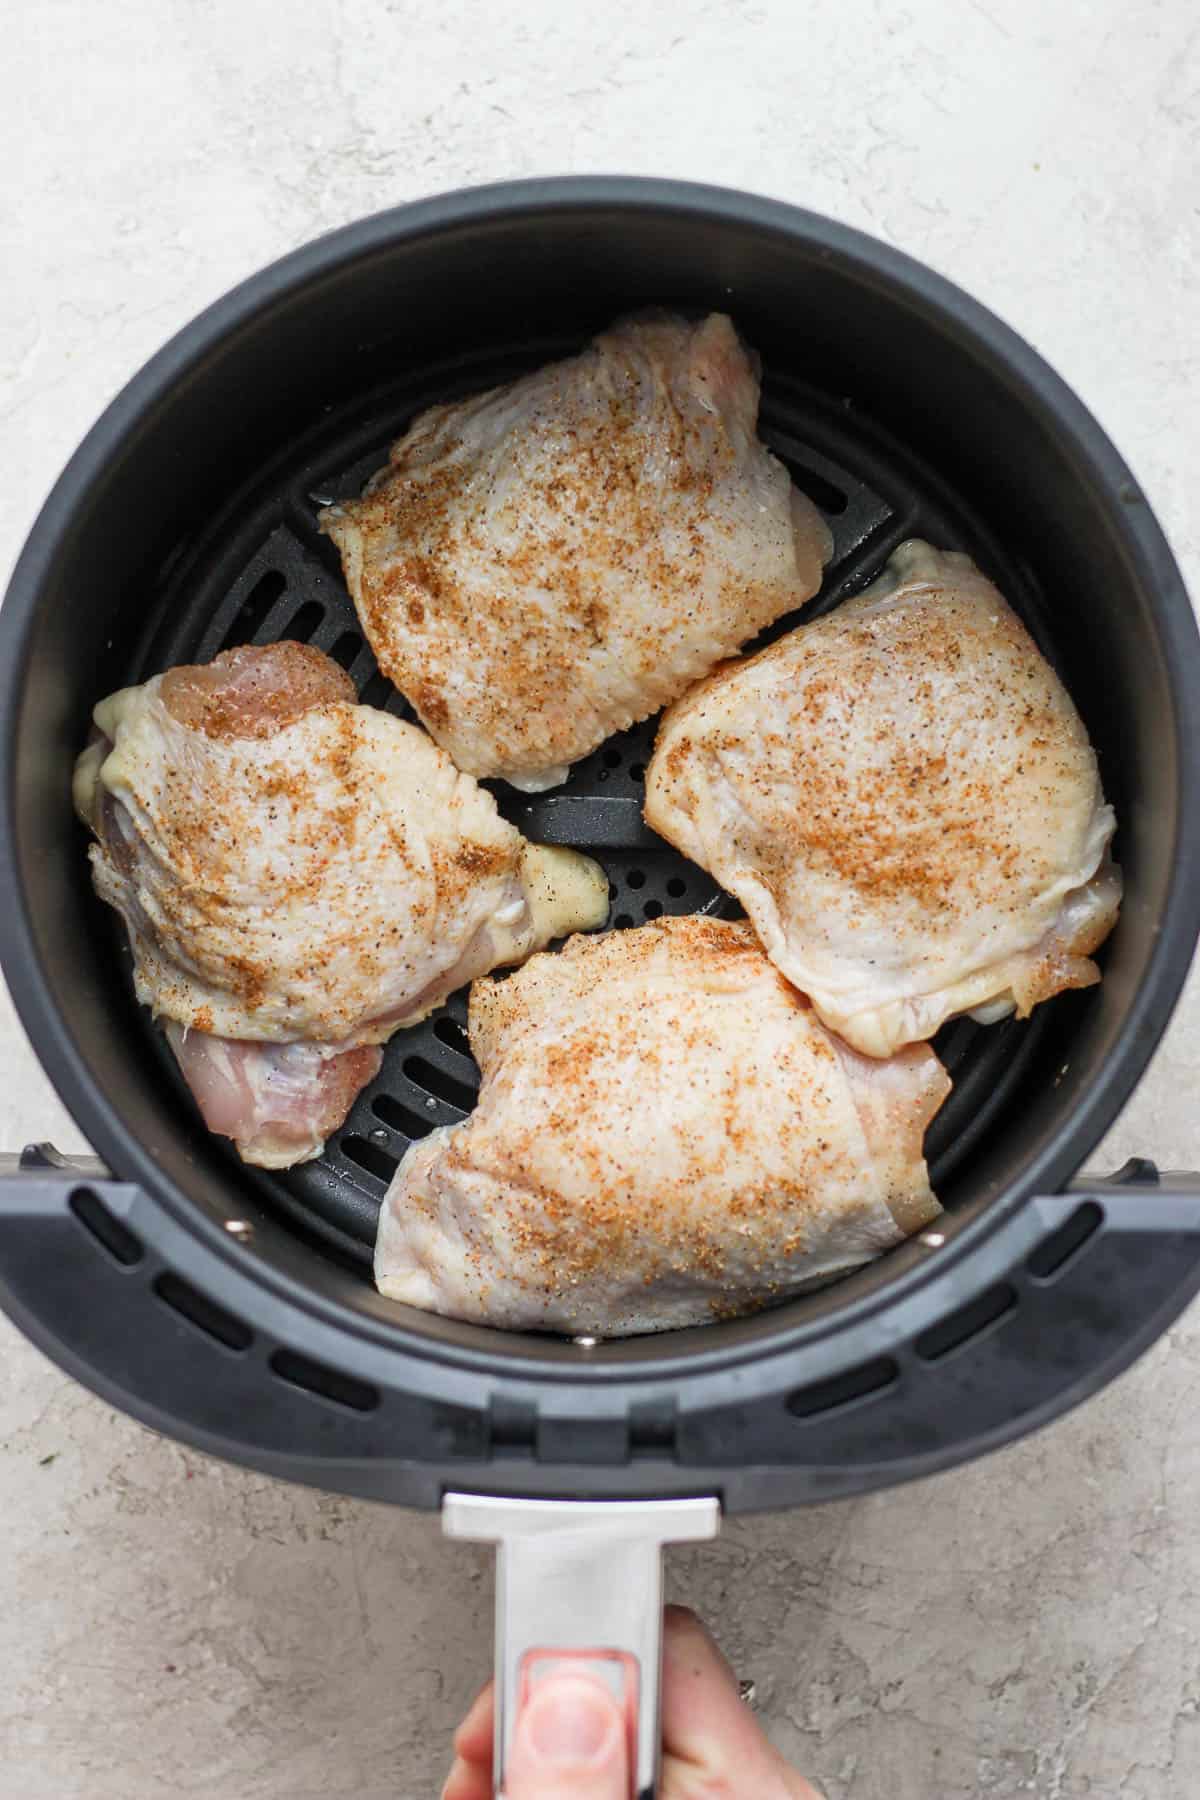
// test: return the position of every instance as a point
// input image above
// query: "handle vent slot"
(205, 1315)
(112, 1236)
(967, 1322)
(865, 1382)
(1054, 1253)
(326, 1383)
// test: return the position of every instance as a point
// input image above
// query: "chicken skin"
(543, 565)
(300, 876)
(905, 801)
(665, 1134)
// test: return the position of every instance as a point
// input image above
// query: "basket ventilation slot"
(255, 607)
(448, 1031)
(440, 1083)
(366, 1155)
(346, 648)
(398, 1117)
(305, 622)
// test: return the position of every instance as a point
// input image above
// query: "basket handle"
(581, 1581)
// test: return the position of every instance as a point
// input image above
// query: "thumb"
(570, 1744)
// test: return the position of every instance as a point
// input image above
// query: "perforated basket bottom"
(263, 572)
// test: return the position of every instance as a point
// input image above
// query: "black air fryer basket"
(233, 1308)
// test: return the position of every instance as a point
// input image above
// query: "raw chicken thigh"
(906, 803)
(665, 1134)
(545, 564)
(300, 876)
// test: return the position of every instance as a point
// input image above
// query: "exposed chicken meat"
(301, 875)
(542, 565)
(279, 1102)
(665, 1133)
(905, 801)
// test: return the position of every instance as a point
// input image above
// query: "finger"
(703, 1713)
(473, 1739)
(468, 1781)
(570, 1744)
(712, 1741)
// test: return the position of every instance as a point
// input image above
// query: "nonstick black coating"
(188, 516)
(286, 582)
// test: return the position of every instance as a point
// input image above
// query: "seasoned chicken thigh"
(665, 1134)
(545, 564)
(905, 801)
(300, 876)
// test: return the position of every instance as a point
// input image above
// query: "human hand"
(571, 1741)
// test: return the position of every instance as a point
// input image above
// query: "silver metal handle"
(580, 1578)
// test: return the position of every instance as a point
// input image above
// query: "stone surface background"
(170, 1626)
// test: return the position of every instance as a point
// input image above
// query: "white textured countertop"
(1027, 1626)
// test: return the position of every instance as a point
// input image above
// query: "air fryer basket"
(234, 1308)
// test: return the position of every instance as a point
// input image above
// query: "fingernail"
(569, 1722)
